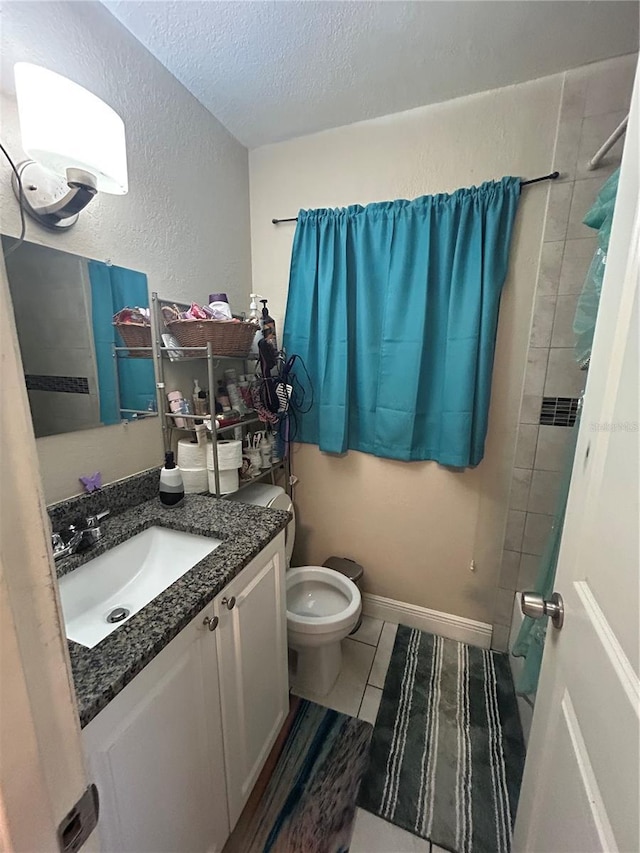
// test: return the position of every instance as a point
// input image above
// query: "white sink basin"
(126, 578)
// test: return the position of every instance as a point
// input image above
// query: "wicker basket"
(135, 335)
(226, 338)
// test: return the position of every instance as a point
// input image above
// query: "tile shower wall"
(51, 297)
(595, 100)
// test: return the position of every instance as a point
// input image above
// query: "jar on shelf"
(177, 404)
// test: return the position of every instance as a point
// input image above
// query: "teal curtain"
(529, 643)
(394, 309)
(113, 288)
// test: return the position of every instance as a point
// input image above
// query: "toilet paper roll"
(229, 455)
(191, 454)
(194, 479)
(229, 481)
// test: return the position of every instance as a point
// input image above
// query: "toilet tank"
(273, 497)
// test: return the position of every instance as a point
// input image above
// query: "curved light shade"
(63, 126)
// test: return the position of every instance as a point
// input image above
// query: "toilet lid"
(274, 497)
(283, 501)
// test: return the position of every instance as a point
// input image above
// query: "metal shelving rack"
(125, 352)
(160, 354)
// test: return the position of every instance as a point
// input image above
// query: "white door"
(42, 772)
(580, 789)
(252, 659)
(155, 753)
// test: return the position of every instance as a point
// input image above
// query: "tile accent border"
(434, 621)
(559, 411)
(62, 384)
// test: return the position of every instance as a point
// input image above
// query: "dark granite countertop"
(101, 672)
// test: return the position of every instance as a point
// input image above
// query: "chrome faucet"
(87, 535)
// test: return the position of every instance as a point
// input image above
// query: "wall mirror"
(77, 372)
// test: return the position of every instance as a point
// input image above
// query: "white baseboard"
(444, 624)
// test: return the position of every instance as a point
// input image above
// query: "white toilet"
(323, 606)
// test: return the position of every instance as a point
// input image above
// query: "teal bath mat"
(447, 751)
(309, 804)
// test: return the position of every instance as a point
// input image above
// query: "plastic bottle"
(219, 304)
(266, 450)
(268, 326)
(253, 315)
(245, 390)
(201, 434)
(199, 399)
(221, 310)
(171, 485)
(235, 398)
(176, 400)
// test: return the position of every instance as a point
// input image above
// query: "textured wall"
(184, 222)
(275, 71)
(416, 526)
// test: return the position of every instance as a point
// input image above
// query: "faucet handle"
(94, 520)
(62, 548)
(57, 542)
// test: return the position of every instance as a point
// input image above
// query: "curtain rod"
(608, 145)
(552, 177)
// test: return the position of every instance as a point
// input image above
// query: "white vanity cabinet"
(155, 753)
(252, 663)
(176, 753)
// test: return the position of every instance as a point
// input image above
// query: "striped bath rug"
(447, 752)
(309, 803)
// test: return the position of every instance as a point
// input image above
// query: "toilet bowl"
(323, 606)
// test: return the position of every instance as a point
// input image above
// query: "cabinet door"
(252, 662)
(155, 753)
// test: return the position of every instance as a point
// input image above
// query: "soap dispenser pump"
(268, 326)
(171, 485)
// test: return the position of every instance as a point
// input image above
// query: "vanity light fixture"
(75, 141)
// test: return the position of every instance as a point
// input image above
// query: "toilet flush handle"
(229, 603)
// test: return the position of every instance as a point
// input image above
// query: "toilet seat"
(320, 600)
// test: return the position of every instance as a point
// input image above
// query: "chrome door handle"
(211, 622)
(229, 603)
(534, 605)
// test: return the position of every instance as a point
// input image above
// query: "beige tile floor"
(357, 692)
(371, 834)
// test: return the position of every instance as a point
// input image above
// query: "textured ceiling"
(274, 70)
